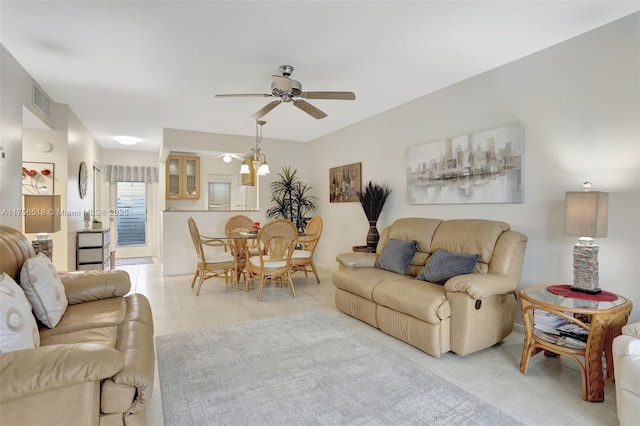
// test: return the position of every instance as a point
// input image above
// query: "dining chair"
(242, 253)
(278, 238)
(302, 257)
(238, 221)
(241, 222)
(219, 264)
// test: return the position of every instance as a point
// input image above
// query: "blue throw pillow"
(396, 255)
(444, 264)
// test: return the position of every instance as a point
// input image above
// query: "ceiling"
(133, 68)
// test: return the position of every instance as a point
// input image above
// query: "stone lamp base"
(585, 268)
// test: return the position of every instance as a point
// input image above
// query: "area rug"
(134, 261)
(306, 369)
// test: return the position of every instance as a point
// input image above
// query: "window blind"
(219, 195)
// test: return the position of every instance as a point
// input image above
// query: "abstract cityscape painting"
(479, 167)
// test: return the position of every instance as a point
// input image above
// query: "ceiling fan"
(288, 90)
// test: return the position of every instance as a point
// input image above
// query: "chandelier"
(256, 161)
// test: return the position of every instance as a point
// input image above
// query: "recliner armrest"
(87, 286)
(31, 371)
(357, 260)
(481, 285)
(632, 330)
(625, 345)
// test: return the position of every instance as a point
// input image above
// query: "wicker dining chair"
(302, 258)
(242, 254)
(237, 222)
(278, 238)
(241, 222)
(211, 265)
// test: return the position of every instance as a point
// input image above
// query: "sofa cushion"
(361, 281)
(107, 336)
(396, 256)
(425, 301)
(469, 236)
(44, 290)
(88, 315)
(18, 329)
(443, 265)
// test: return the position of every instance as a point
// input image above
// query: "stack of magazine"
(558, 330)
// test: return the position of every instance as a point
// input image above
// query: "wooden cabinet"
(183, 177)
(92, 249)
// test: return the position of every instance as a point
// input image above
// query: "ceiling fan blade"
(309, 109)
(244, 95)
(347, 96)
(282, 83)
(265, 109)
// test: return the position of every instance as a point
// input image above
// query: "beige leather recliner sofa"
(468, 313)
(95, 367)
(626, 364)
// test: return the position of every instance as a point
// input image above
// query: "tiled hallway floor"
(548, 395)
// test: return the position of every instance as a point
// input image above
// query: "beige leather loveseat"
(626, 363)
(464, 314)
(96, 366)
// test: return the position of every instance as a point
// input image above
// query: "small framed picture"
(345, 182)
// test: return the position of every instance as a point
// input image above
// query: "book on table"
(547, 319)
(559, 340)
(573, 330)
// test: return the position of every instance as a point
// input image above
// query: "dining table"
(240, 240)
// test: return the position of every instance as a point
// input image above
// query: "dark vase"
(372, 236)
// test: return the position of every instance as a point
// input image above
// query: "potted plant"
(372, 198)
(291, 198)
(96, 224)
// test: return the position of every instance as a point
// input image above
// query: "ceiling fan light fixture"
(288, 90)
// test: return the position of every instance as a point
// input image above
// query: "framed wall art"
(37, 178)
(479, 167)
(345, 182)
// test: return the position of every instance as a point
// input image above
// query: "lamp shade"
(264, 169)
(586, 214)
(244, 167)
(42, 213)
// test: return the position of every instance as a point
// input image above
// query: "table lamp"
(41, 215)
(586, 215)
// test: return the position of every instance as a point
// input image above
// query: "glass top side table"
(602, 321)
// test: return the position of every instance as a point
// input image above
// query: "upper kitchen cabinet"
(183, 177)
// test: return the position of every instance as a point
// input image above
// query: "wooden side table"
(603, 320)
(363, 249)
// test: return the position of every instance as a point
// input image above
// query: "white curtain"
(131, 174)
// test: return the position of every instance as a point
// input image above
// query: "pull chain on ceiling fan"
(288, 90)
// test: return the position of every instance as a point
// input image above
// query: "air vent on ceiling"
(41, 100)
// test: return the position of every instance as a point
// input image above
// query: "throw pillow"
(444, 264)
(18, 328)
(396, 255)
(43, 289)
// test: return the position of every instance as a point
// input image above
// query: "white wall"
(15, 91)
(579, 103)
(57, 156)
(81, 147)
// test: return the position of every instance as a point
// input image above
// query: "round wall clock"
(83, 178)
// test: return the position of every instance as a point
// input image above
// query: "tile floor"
(548, 395)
